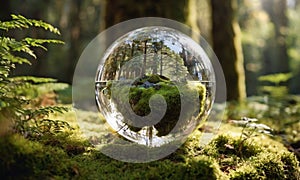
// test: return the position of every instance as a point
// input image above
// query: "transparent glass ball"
(155, 86)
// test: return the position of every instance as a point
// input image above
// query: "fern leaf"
(38, 42)
(11, 44)
(14, 59)
(20, 22)
(24, 22)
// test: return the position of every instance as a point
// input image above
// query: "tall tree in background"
(276, 57)
(227, 46)
(75, 29)
(121, 10)
(5, 10)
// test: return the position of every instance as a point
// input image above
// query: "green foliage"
(20, 22)
(275, 90)
(19, 95)
(276, 78)
(34, 122)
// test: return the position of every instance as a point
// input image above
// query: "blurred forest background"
(251, 38)
(256, 41)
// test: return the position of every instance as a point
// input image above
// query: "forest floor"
(67, 155)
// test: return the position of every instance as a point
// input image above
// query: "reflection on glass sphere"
(155, 86)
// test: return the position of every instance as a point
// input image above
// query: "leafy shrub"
(18, 95)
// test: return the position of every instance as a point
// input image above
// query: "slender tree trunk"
(227, 46)
(161, 61)
(155, 64)
(145, 59)
(192, 19)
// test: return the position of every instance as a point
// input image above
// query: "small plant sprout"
(250, 129)
(250, 126)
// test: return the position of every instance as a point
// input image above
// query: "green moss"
(66, 156)
(227, 145)
(245, 172)
(143, 89)
(203, 167)
(291, 165)
(269, 165)
(244, 159)
(25, 159)
(276, 166)
(21, 158)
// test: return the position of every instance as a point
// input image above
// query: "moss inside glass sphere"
(143, 88)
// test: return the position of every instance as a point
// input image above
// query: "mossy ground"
(67, 156)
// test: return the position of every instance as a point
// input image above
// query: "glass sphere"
(156, 84)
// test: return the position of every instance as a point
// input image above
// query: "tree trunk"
(75, 34)
(161, 60)
(122, 10)
(276, 57)
(5, 11)
(227, 46)
(145, 59)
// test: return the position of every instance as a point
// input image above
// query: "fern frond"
(11, 44)
(18, 95)
(20, 22)
(39, 42)
(45, 111)
(14, 59)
